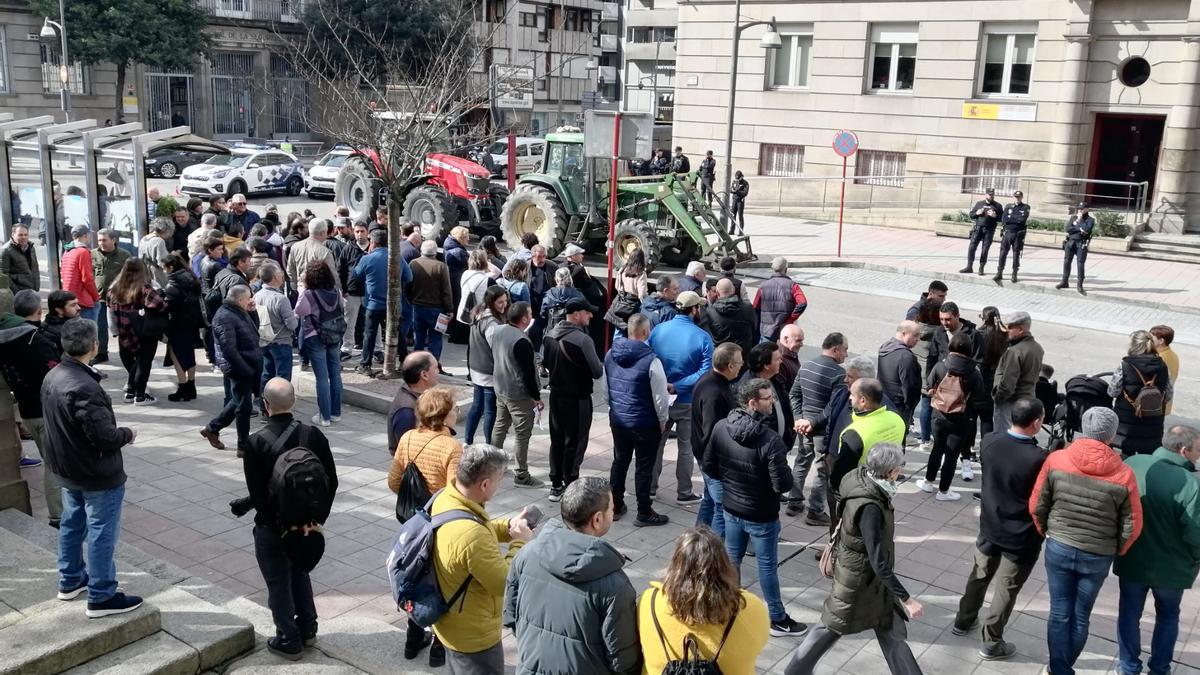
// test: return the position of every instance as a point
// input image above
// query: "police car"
(247, 169)
(319, 180)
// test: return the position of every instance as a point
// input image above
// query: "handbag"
(414, 489)
(829, 556)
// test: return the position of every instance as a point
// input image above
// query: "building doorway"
(169, 99)
(1125, 148)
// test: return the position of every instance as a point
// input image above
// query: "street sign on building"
(512, 87)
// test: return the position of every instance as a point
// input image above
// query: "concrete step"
(1164, 253)
(159, 654)
(1180, 240)
(56, 636)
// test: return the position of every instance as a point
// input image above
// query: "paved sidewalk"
(177, 510)
(1109, 276)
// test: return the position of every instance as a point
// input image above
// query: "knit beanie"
(1100, 424)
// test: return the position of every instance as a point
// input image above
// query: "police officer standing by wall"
(986, 213)
(1014, 219)
(680, 162)
(737, 203)
(1079, 235)
(708, 175)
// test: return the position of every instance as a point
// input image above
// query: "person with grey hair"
(83, 444)
(240, 213)
(750, 460)
(1165, 560)
(555, 301)
(26, 356)
(567, 599)
(277, 324)
(867, 594)
(107, 261)
(692, 278)
(431, 297)
(152, 249)
(77, 273)
(779, 301)
(467, 559)
(1141, 389)
(195, 240)
(1087, 504)
(309, 250)
(239, 357)
(1017, 373)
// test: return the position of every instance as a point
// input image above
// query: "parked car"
(246, 170)
(530, 150)
(319, 178)
(168, 162)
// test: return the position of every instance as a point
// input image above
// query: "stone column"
(1170, 208)
(14, 491)
(1066, 143)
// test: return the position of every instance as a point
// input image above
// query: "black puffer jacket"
(1139, 435)
(939, 348)
(750, 460)
(183, 301)
(731, 320)
(977, 394)
(235, 335)
(83, 442)
(900, 374)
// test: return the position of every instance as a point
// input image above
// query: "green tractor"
(567, 203)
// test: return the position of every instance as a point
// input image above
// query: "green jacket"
(105, 266)
(859, 599)
(1167, 555)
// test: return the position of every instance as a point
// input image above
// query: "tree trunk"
(395, 289)
(119, 111)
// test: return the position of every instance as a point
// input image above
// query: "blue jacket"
(627, 368)
(372, 270)
(456, 259)
(690, 283)
(658, 310)
(686, 352)
(235, 337)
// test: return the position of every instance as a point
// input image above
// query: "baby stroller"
(1082, 393)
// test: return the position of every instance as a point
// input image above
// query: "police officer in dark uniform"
(1079, 235)
(1014, 219)
(986, 213)
(737, 203)
(708, 175)
(680, 162)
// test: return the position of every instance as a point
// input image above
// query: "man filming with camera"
(986, 214)
(1079, 235)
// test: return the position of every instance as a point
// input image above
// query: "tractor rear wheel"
(632, 234)
(537, 210)
(681, 254)
(357, 188)
(432, 210)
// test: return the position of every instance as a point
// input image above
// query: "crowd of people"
(696, 358)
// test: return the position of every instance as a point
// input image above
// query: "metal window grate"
(232, 94)
(232, 64)
(3, 62)
(77, 74)
(877, 167)
(781, 160)
(290, 105)
(980, 173)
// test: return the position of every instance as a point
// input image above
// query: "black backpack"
(414, 490)
(691, 663)
(330, 322)
(299, 487)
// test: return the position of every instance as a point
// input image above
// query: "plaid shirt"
(149, 299)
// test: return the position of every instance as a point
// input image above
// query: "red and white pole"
(842, 207)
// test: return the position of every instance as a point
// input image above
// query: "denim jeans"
(277, 362)
(1074, 578)
(289, 591)
(92, 313)
(427, 337)
(326, 361)
(239, 396)
(1166, 627)
(483, 407)
(102, 327)
(374, 323)
(94, 515)
(765, 539)
(712, 513)
(925, 415)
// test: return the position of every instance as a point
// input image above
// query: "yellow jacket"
(437, 454)
(1170, 358)
(466, 547)
(746, 639)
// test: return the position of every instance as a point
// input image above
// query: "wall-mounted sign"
(1014, 112)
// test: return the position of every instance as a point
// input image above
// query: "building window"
(529, 19)
(876, 167)
(893, 57)
(651, 35)
(981, 173)
(290, 97)
(77, 74)
(4, 87)
(789, 68)
(781, 160)
(495, 10)
(1007, 67)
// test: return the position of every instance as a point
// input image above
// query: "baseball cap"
(990, 191)
(572, 249)
(79, 230)
(1081, 205)
(689, 299)
(579, 305)
(271, 208)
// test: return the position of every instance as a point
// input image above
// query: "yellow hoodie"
(465, 547)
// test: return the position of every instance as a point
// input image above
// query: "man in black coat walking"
(712, 401)
(899, 372)
(732, 320)
(239, 356)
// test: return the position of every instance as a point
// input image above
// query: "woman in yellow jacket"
(436, 454)
(700, 595)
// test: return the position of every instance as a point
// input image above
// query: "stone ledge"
(159, 654)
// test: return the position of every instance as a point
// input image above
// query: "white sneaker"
(316, 420)
(338, 418)
(924, 485)
(947, 496)
(968, 472)
(925, 446)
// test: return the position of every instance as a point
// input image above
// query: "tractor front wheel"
(679, 255)
(533, 209)
(632, 234)
(357, 188)
(432, 210)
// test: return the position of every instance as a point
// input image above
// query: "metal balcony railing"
(276, 11)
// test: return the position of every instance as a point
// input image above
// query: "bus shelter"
(57, 176)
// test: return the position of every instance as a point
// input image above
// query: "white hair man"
(309, 250)
(779, 301)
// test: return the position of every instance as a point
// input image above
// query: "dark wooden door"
(1124, 148)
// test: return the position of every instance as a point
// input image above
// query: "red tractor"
(450, 190)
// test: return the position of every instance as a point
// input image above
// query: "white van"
(530, 150)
